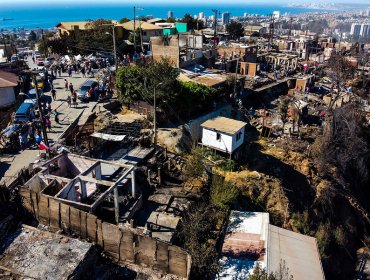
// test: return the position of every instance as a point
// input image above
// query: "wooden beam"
(99, 200)
(96, 181)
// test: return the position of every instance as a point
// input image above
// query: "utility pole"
(134, 31)
(236, 76)
(114, 48)
(5, 52)
(43, 41)
(41, 118)
(135, 8)
(215, 31)
(155, 114)
(271, 32)
(290, 27)
(114, 44)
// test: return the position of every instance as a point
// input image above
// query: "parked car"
(82, 92)
(48, 61)
(31, 96)
(14, 58)
(25, 113)
(40, 61)
(39, 81)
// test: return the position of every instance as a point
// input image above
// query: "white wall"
(209, 138)
(237, 144)
(7, 96)
(193, 126)
(227, 143)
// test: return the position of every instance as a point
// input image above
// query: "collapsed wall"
(121, 243)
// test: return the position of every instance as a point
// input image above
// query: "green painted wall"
(181, 27)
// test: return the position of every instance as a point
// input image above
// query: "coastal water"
(44, 16)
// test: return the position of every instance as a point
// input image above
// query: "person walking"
(74, 98)
(56, 116)
(48, 123)
(65, 84)
(60, 71)
(83, 72)
(48, 107)
(71, 88)
(70, 71)
(69, 100)
(54, 94)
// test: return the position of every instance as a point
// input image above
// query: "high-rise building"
(355, 29)
(225, 18)
(170, 14)
(245, 14)
(276, 14)
(365, 29)
(201, 15)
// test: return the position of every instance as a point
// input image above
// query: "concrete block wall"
(120, 244)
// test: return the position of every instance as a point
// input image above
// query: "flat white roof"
(222, 124)
(244, 245)
(298, 251)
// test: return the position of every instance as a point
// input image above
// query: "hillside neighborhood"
(187, 148)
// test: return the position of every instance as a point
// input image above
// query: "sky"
(173, 2)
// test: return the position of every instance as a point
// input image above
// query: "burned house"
(181, 50)
(102, 202)
(29, 253)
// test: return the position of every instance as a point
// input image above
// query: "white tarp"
(108, 137)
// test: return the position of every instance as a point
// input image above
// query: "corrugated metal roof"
(298, 251)
(108, 137)
(139, 24)
(7, 79)
(222, 124)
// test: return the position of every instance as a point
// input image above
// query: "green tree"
(171, 20)
(32, 37)
(142, 18)
(129, 82)
(235, 29)
(194, 167)
(137, 37)
(124, 19)
(139, 82)
(197, 233)
(189, 20)
(260, 274)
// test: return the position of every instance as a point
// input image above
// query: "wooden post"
(133, 183)
(116, 204)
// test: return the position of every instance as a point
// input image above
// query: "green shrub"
(223, 194)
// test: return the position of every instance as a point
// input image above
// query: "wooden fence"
(121, 244)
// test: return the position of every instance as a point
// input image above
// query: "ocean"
(43, 16)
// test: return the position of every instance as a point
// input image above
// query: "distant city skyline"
(170, 2)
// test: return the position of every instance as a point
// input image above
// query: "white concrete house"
(7, 85)
(223, 134)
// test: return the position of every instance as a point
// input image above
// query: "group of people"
(32, 136)
(72, 98)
